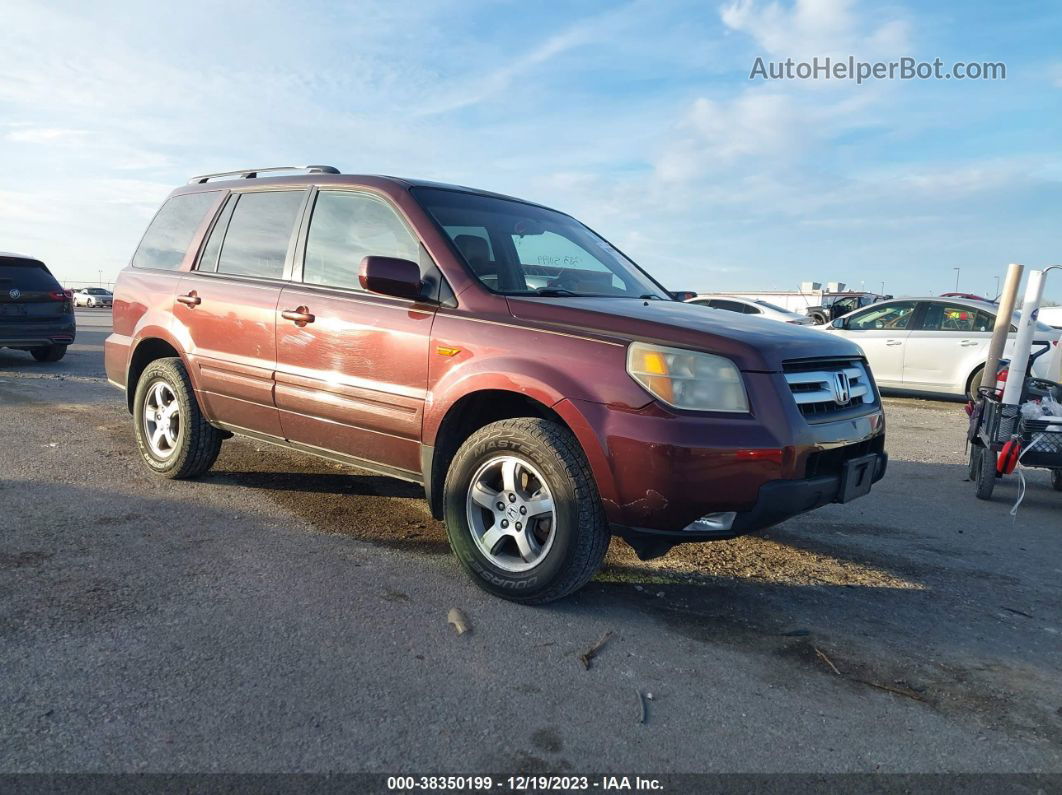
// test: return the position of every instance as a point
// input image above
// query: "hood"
(754, 343)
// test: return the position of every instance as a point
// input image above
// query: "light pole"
(996, 293)
(956, 279)
(101, 277)
(883, 288)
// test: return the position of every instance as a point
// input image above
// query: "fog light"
(712, 523)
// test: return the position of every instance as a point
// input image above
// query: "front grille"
(826, 388)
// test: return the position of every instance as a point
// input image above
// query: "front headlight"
(688, 379)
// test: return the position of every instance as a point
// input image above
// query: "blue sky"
(638, 117)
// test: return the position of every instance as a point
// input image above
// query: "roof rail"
(251, 173)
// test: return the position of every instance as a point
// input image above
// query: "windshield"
(520, 249)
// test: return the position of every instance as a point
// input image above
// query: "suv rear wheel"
(173, 437)
(48, 353)
(522, 511)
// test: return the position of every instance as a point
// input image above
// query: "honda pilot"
(545, 391)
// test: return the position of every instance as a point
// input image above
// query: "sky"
(639, 118)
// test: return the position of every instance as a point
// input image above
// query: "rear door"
(226, 307)
(352, 378)
(947, 345)
(882, 332)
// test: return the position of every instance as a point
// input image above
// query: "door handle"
(301, 316)
(893, 342)
(969, 343)
(192, 299)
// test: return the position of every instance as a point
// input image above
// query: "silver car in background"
(93, 297)
(750, 306)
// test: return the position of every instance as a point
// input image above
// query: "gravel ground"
(286, 614)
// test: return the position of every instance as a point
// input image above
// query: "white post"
(1019, 358)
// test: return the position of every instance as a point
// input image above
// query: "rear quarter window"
(171, 231)
(25, 274)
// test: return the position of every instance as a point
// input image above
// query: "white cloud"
(480, 89)
(816, 27)
(25, 134)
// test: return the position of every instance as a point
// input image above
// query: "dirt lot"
(283, 613)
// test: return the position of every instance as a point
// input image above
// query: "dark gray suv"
(36, 313)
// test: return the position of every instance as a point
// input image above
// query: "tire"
(986, 473)
(1056, 479)
(192, 447)
(48, 353)
(566, 549)
(975, 463)
(975, 383)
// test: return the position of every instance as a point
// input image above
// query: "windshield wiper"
(555, 291)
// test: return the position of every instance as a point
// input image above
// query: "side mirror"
(390, 276)
(840, 323)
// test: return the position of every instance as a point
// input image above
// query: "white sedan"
(749, 306)
(933, 344)
(93, 297)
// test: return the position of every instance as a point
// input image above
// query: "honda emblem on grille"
(15, 293)
(841, 389)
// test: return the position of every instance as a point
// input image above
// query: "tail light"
(59, 295)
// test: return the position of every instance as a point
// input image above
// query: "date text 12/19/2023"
(523, 783)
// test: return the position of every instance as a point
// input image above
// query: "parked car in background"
(36, 314)
(1051, 315)
(93, 297)
(546, 391)
(932, 344)
(821, 303)
(750, 306)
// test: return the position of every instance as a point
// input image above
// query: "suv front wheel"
(173, 437)
(522, 511)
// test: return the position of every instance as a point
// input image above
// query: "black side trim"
(330, 455)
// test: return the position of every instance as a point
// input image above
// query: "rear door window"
(171, 231)
(260, 234)
(942, 317)
(208, 260)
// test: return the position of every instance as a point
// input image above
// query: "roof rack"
(251, 173)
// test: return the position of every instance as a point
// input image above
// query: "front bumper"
(658, 470)
(777, 501)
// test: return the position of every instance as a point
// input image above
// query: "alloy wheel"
(511, 513)
(162, 419)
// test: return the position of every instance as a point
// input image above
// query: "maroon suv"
(545, 390)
